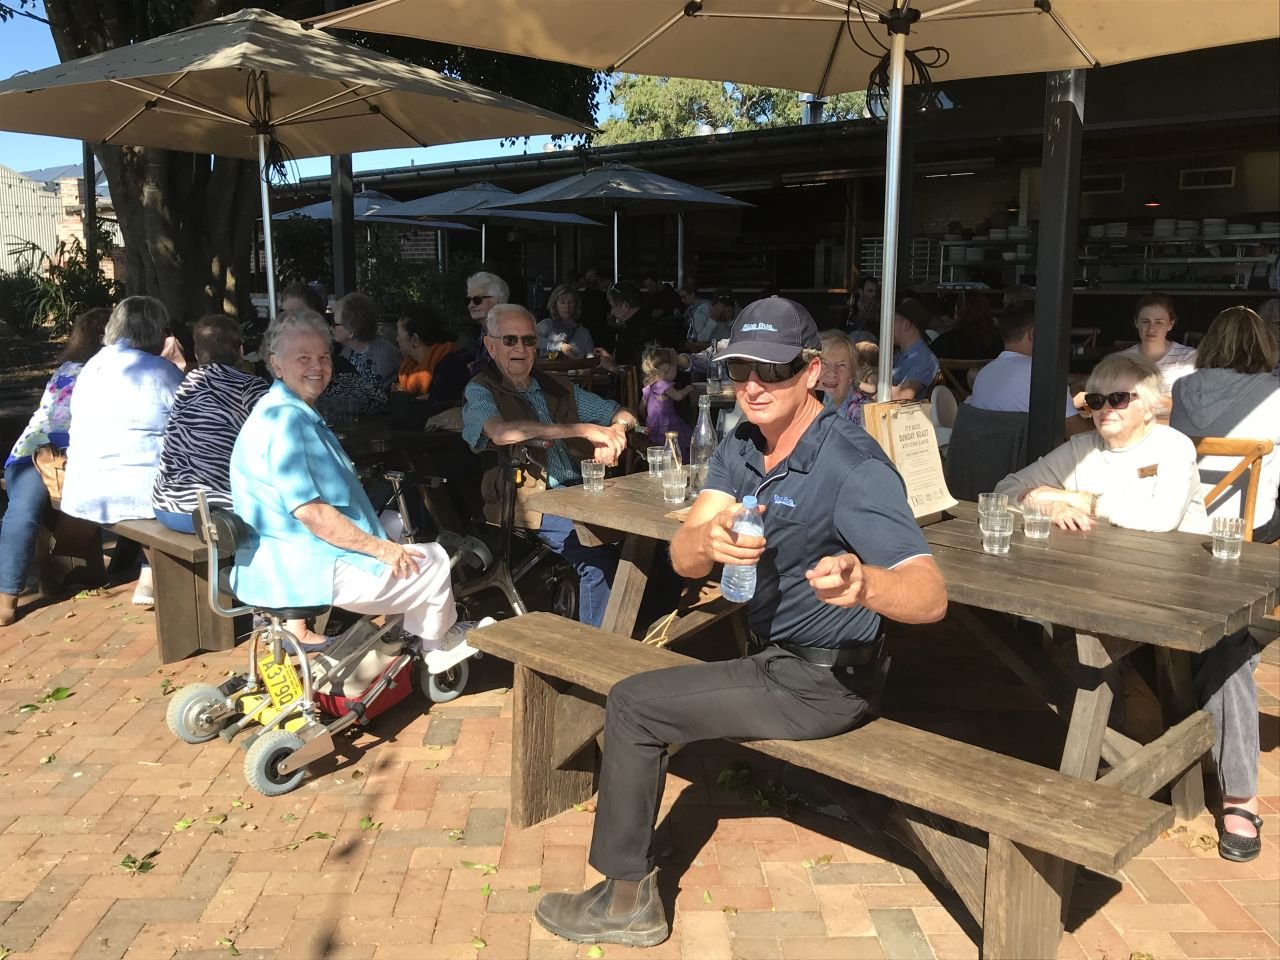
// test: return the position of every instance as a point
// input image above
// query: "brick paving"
(96, 777)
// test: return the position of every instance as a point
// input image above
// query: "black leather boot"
(585, 918)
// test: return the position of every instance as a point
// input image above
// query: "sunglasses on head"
(1118, 400)
(740, 371)
(511, 339)
(476, 301)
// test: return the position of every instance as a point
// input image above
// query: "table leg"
(628, 585)
(184, 622)
(539, 788)
(1177, 702)
(1095, 676)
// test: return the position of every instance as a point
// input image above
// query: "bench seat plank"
(1086, 823)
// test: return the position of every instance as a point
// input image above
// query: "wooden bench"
(1035, 822)
(180, 566)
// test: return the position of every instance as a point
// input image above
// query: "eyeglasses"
(510, 339)
(476, 301)
(740, 371)
(1118, 400)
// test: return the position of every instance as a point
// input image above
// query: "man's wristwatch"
(1093, 505)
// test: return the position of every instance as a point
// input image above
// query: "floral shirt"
(52, 420)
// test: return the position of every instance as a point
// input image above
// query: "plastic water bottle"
(738, 582)
(702, 445)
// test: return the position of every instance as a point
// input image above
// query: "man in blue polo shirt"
(914, 365)
(841, 549)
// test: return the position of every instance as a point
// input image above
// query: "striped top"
(1178, 361)
(208, 411)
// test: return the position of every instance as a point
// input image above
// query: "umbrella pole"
(617, 277)
(265, 188)
(892, 189)
(679, 249)
(484, 240)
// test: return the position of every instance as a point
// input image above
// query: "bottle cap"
(750, 502)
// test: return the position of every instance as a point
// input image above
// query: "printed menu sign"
(905, 432)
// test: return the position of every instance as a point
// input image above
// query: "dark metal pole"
(344, 240)
(1056, 262)
(90, 208)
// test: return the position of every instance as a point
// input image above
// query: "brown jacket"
(513, 406)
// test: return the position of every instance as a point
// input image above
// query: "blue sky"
(27, 45)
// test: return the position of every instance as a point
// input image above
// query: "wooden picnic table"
(1110, 591)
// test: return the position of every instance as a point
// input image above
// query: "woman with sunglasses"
(1130, 471)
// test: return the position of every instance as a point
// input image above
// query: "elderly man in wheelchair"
(306, 538)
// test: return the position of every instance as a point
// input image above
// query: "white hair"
(292, 321)
(1127, 371)
(142, 322)
(493, 318)
(491, 284)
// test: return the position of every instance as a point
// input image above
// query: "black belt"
(834, 657)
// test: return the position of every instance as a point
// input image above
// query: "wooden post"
(1177, 702)
(1023, 903)
(538, 789)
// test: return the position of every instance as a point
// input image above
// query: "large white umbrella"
(370, 206)
(828, 46)
(255, 85)
(615, 188)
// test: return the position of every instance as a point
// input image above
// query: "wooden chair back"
(580, 370)
(1250, 453)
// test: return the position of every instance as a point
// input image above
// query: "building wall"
(28, 213)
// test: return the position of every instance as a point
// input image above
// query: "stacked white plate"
(1164, 227)
(1019, 232)
(1214, 226)
(1240, 229)
(1270, 226)
(1118, 230)
(999, 233)
(1188, 228)
(1097, 231)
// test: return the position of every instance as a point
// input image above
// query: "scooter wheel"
(445, 686)
(187, 713)
(262, 763)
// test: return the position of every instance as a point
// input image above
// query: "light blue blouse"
(285, 457)
(118, 409)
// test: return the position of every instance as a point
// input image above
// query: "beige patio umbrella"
(255, 85)
(827, 47)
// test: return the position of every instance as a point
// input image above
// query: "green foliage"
(393, 281)
(302, 250)
(657, 108)
(53, 289)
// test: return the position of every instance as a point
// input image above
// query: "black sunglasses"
(740, 371)
(510, 339)
(1118, 400)
(476, 301)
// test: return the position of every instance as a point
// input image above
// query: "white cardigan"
(1152, 485)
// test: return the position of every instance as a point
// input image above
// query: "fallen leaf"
(241, 803)
(729, 911)
(57, 693)
(484, 868)
(478, 943)
(49, 759)
(288, 817)
(596, 952)
(535, 887)
(706, 896)
(28, 708)
(433, 746)
(432, 766)
(183, 824)
(166, 687)
(217, 818)
(318, 835)
(367, 823)
(486, 891)
(230, 945)
(500, 690)
(357, 774)
(248, 826)
(454, 835)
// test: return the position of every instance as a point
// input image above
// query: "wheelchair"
(302, 696)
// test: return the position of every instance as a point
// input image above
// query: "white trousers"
(425, 599)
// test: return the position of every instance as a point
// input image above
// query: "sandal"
(1233, 846)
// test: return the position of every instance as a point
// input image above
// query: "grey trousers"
(1226, 689)
(772, 694)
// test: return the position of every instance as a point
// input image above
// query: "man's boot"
(586, 917)
(8, 609)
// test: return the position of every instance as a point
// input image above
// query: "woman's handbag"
(52, 464)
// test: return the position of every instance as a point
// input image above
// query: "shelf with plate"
(1177, 262)
(1016, 255)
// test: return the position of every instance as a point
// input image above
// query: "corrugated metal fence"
(28, 212)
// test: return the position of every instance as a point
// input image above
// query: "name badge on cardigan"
(1151, 471)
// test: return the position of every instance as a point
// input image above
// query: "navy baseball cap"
(771, 330)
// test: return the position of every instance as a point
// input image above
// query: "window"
(1206, 178)
(1102, 183)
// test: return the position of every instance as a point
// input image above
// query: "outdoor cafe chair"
(1250, 453)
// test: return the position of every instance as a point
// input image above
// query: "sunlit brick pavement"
(399, 848)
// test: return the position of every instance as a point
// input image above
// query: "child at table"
(660, 396)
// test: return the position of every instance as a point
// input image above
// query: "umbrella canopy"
(470, 203)
(252, 84)
(615, 188)
(371, 206)
(822, 46)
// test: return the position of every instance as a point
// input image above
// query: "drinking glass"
(997, 531)
(713, 386)
(657, 459)
(1037, 519)
(593, 475)
(675, 480)
(1228, 535)
(992, 503)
